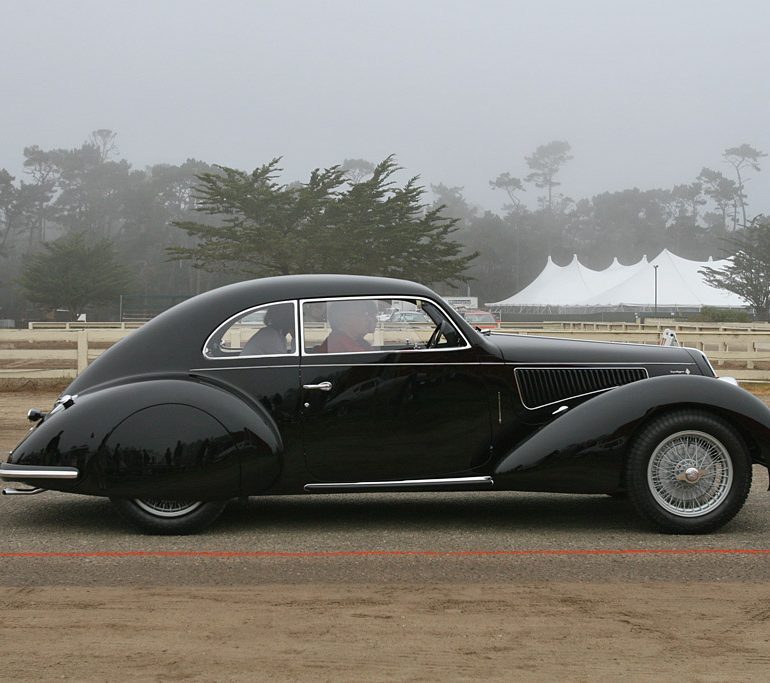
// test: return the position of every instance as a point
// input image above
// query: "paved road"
(478, 537)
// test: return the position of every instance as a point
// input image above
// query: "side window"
(267, 330)
(360, 325)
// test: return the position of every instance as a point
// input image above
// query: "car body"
(182, 415)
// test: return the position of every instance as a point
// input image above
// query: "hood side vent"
(543, 386)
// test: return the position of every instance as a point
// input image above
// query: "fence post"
(82, 350)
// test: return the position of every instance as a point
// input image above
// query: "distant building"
(459, 302)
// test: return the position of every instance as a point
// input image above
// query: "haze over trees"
(181, 229)
(327, 224)
(74, 272)
(749, 273)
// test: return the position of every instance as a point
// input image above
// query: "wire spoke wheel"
(163, 507)
(169, 516)
(690, 473)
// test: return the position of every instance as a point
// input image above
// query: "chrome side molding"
(485, 482)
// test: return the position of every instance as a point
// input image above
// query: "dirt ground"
(533, 632)
(694, 630)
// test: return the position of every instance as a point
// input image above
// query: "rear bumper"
(11, 472)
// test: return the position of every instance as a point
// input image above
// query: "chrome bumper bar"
(16, 472)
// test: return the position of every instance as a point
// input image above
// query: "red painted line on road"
(267, 554)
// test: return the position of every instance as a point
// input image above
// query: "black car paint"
(154, 417)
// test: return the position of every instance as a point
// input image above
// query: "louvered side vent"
(541, 386)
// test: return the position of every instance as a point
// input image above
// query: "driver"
(350, 321)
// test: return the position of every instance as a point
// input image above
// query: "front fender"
(582, 449)
(153, 438)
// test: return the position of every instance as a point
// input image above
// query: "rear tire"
(688, 472)
(169, 517)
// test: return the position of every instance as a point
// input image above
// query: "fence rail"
(53, 353)
(64, 353)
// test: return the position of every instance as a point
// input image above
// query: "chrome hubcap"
(162, 507)
(690, 473)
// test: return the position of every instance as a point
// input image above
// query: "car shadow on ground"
(377, 512)
(476, 515)
(432, 513)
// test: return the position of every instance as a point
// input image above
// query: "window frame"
(375, 297)
(223, 326)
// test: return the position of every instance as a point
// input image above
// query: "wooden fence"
(740, 351)
(52, 353)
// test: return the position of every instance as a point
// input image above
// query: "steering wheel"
(435, 336)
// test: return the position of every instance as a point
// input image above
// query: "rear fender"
(582, 449)
(155, 437)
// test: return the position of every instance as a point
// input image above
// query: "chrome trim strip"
(377, 297)
(244, 313)
(569, 398)
(385, 365)
(21, 492)
(568, 363)
(404, 483)
(338, 365)
(512, 364)
(14, 472)
(244, 367)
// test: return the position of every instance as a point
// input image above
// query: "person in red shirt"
(350, 321)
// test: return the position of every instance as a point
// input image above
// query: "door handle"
(323, 386)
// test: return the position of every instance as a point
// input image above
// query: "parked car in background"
(409, 317)
(483, 320)
(183, 415)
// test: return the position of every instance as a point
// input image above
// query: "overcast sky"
(647, 93)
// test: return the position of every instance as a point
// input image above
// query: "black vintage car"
(292, 384)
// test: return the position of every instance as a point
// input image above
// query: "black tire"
(169, 517)
(688, 472)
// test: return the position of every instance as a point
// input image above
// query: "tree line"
(82, 226)
(694, 220)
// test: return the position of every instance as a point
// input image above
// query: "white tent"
(679, 284)
(540, 290)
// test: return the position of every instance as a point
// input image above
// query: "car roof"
(173, 340)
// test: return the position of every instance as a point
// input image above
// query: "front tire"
(688, 472)
(169, 517)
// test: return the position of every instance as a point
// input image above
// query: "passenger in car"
(272, 338)
(350, 321)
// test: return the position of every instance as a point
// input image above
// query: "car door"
(409, 403)
(254, 355)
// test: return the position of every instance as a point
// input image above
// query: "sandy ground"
(575, 632)
(694, 630)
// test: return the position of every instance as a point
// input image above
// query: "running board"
(463, 482)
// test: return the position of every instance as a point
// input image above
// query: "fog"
(645, 93)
